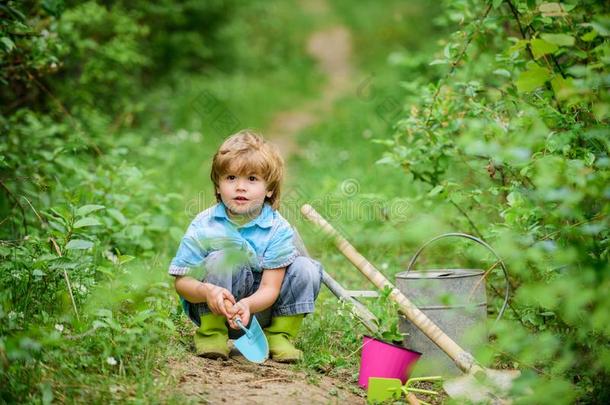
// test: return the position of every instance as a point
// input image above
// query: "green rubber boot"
(281, 329)
(211, 337)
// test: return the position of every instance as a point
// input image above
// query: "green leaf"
(117, 216)
(548, 313)
(601, 28)
(165, 322)
(589, 36)
(142, 316)
(79, 244)
(125, 259)
(57, 226)
(4, 251)
(104, 313)
(87, 221)
(519, 45)
(89, 208)
(436, 190)
(386, 142)
(532, 79)
(559, 39)
(540, 47)
(9, 45)
(64, 265)
(58, 215)
(502, 72)
(386, 160)
(99, 324)
(589, 159)
(439, 62)
(601, 111)
(562, 87)
(53, 7)
(135, 231)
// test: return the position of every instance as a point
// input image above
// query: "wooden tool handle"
(463, 359)
(228, 305)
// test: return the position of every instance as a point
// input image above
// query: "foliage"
(509, 122)
(386, 310)
(331, 340)
(89, 208)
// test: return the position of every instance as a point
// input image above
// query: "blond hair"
(247, 152)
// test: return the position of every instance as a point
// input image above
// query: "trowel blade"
(253, 345)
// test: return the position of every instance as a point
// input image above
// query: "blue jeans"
(298, 292)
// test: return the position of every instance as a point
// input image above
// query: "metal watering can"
(455, 300)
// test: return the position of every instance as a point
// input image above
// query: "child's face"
(243, 194)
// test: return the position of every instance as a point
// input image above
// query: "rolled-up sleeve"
(190, 254)
(281, 251)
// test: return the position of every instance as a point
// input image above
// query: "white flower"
(59, 327)
(111, 360)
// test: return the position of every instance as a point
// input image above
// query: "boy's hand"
(240, 310)
(215, 299)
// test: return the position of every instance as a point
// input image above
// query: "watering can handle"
(480, 242)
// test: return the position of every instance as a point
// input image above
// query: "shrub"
(509, 123)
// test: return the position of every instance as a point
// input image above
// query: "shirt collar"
(263, 220)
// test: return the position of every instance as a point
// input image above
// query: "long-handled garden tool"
(366, 317)
(478, 383)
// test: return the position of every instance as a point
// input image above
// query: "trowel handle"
(228, 306)
(462, 358)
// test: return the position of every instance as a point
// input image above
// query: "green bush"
(510, 122)
(84, 298)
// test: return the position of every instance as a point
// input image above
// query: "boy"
(238, 257)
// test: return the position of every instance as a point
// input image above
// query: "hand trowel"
(253, 344)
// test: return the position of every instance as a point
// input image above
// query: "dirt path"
(236, 380)
(331, 48)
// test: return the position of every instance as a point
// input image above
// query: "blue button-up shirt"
(266, 242)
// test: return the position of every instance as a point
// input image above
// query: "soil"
(238, 381)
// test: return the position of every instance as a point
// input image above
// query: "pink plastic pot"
(381, 359)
